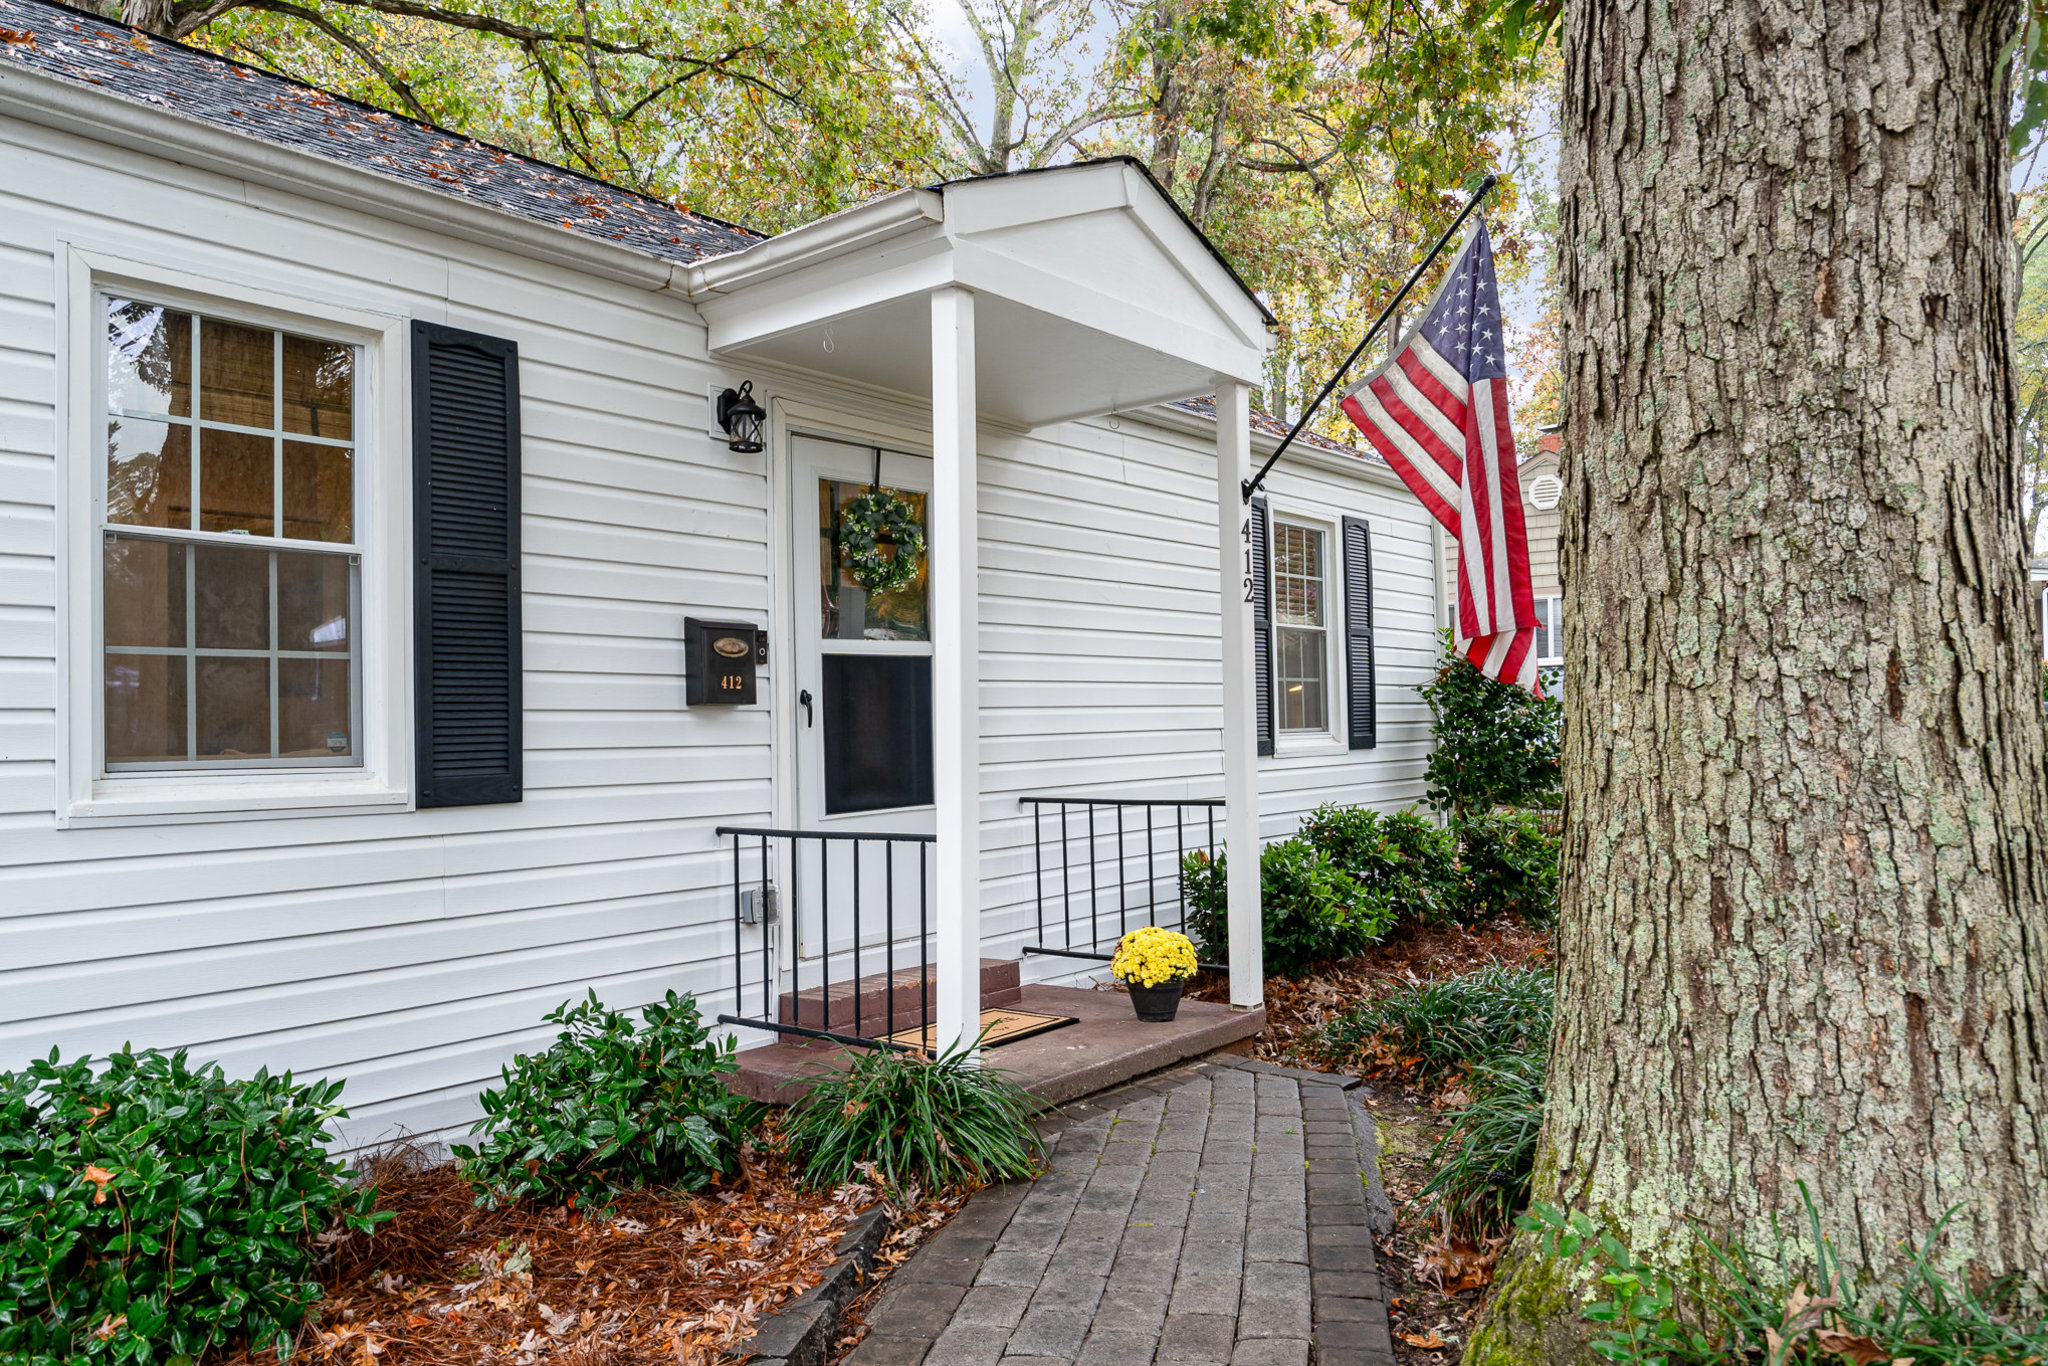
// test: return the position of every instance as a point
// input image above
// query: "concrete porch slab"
(1107, 1047)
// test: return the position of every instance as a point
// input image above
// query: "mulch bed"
(658, 1278)
(1435, 1285)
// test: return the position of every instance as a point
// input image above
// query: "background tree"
(2030, 362)
(1316, 142)
(769, 115)
(1804, 912)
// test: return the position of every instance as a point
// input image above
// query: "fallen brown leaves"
(1453, 1263)
(659, 1278)
(913, 1217)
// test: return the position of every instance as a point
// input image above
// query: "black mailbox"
(719, 658)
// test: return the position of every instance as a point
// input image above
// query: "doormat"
(1000, 1026)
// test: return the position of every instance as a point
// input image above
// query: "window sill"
(1308, 747)
(125, 801)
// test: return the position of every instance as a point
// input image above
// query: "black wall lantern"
(741, 418)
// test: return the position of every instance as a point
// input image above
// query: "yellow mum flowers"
(1153, 957)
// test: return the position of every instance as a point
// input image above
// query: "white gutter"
(74, 107)
(864, 225)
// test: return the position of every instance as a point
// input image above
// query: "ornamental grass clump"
(1153, 957)
(1483, 1166)
(1436, 1029)
(151, 1210)
(908, 1120)
(610, 1107)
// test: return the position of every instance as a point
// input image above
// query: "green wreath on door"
(876, 519)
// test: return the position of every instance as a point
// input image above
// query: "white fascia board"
(993, 272)
(87, 111)
(827, 291)
(998, 202)
(836, 235)
(1263, 444)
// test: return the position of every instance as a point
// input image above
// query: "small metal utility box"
(719, 659)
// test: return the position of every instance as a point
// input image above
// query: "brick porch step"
(863, 1006)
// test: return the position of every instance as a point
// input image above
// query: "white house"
(357, 483)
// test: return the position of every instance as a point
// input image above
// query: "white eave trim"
(74, 107)
(865, 225)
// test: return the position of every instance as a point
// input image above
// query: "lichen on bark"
(1804, 909)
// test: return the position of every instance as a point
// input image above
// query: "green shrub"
(1510, 867)
(1731, 1304)
(1495, 744)
(1484, 1164)
(1407, 858)
(150, 1209)
(1439, 1027)
(610, 1107)
(1314, 911)
(919, 1121)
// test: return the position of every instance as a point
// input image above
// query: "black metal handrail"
(1122, 857)
(764, 841)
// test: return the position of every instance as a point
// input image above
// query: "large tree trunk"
(1805, 903)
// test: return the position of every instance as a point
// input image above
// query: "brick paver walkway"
(1213, 1214)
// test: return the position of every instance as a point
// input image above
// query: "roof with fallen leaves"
(200, 85)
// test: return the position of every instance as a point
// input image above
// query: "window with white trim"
(230, 543)
(1301, 627)
(1550, 630)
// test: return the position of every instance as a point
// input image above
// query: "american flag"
(1437, 410)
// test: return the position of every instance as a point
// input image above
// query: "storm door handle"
(803, 698)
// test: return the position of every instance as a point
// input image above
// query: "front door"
(863, 717)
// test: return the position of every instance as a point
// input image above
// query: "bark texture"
(1805, 899)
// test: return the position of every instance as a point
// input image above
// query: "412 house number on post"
(1244, 532)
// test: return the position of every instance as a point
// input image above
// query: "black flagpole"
(1251, 485)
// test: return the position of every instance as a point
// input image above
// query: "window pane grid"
(211, 397)
(1300, 599)
(189, 665)
(208, 424)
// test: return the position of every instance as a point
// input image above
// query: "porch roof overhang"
(1093, 294)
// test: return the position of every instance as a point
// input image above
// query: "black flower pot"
(1156, 1004)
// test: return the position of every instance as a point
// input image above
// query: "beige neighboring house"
(2037, 584)
(1542, 503)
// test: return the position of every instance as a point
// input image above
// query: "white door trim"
(789, 418)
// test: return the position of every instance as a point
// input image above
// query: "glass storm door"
(863, 719)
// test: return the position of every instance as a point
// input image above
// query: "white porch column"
(1240, 721)
(956, 669)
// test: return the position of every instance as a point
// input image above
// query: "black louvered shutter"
(1261, 550)
(1358, 662)
(465, 454)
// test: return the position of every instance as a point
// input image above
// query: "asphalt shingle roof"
(184, 80)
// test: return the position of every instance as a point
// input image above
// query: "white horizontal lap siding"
(408, 953)
(1388, 776)
(28, 566)
(1100, 660)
